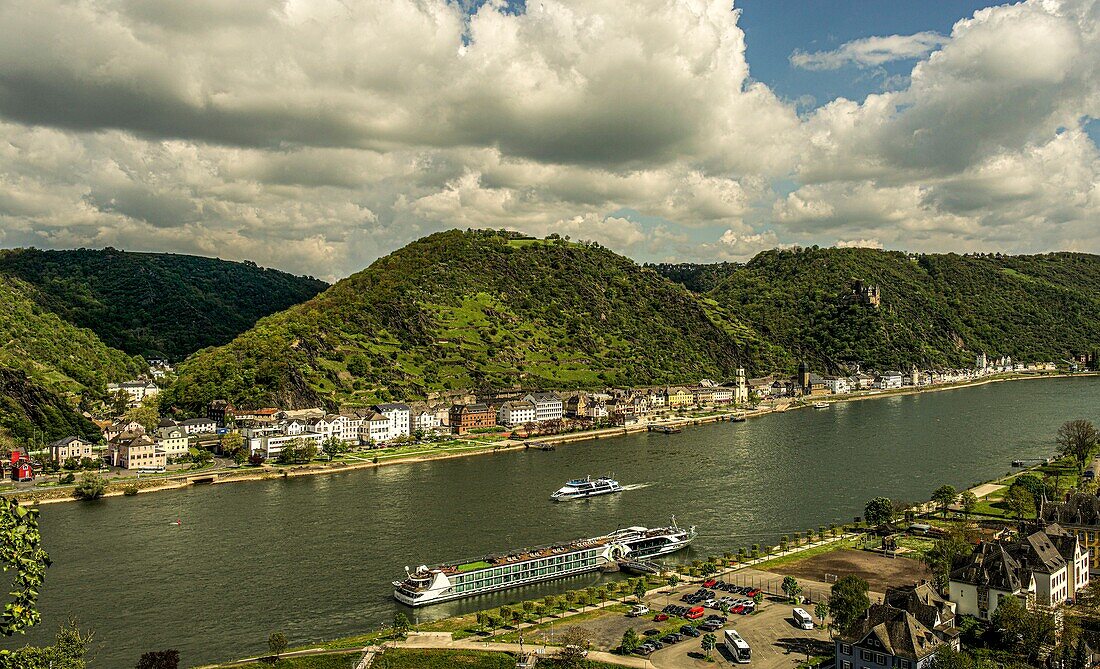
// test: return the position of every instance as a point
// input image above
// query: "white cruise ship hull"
(441, 584)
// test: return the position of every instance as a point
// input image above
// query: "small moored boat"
(821, 405)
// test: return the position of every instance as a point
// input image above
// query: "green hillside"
(31, 412)
(155, 304)
(937, 310)
(49, 364)
(470, 310)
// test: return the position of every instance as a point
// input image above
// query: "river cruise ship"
(445, 582)
(586, 487)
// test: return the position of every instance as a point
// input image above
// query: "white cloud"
(316, 136)
(870, 51)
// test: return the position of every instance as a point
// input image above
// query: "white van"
(738, 648)
(803, 619)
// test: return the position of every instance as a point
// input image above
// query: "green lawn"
(342, 661)
(817, 550)
(443, 659)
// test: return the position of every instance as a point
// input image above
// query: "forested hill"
(155, 304)
(470, 310)
(936, 309)
(48, 365)
(696, 277)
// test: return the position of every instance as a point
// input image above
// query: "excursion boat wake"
(445, 582)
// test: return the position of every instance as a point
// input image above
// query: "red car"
(710, 583)
(694, 613)
(738, 609)
(754, 592)
(660, 617)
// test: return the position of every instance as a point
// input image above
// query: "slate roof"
(924, 603)
(991, 565)
(66, 441)
(897, 631)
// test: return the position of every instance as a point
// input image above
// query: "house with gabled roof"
(70, 447)
(888, 637)
(990, 574)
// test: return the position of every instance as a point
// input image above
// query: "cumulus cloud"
(870, 51)
(315, 136)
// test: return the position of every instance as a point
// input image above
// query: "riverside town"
(554, 334)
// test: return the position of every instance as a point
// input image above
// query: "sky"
(317, 135)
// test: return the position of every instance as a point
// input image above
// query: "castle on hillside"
(867, 294)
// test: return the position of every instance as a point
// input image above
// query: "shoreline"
(220, 477)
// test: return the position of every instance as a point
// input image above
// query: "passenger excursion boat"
(441, 583)
(586, 487)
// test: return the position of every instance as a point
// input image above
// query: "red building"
(465, 417)
(22, 472)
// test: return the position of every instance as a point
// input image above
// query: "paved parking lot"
(776, 642)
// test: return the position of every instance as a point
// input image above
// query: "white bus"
(737, 647)
(804, 620)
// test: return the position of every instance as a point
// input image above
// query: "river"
(314, 556)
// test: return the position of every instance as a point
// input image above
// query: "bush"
(130, 490)
(90, 487)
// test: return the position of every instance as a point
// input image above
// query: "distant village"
(266, 433)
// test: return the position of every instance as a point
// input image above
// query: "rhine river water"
(314, 556)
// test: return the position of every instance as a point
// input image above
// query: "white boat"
(441, 583)
(821, 405)
(586, 487)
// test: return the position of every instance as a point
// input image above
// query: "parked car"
(710, 583)
(660, 617)
(694, 613)
(690, 631)
(651, 632)
(639, 610)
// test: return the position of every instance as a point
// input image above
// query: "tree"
(630, 642)
(945, 496)
(482, 620)
(574, 647)
(147, 414)
(159, 659)
(528, 608)
(68, 651)
(848, 601)
(791, 588)
(758, 599)
(400, 624)
(1026, 631)
(639, 589)
(333, 447)
(879, 511)
(276, 643)
(945, 555)
(1019, 501)
(1076, 439)
(673, 579)
(90, 487)
(1035, 488)
(709, 642)
(821, 610)
(968, 501)
(233, 447)
(21, 550)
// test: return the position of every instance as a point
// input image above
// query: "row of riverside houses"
(807, 383)
(1044, 569)
(267, 431)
